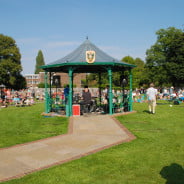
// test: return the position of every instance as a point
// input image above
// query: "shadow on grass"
(146, 111)
(163, 103)
(174, 174)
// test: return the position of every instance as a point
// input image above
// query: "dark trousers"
(84, 106)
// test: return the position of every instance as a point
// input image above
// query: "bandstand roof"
(78, 60)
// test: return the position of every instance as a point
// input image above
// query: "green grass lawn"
(24, 124)
(155, 157)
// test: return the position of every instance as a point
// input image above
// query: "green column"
(70, 98)
(100, 88)
(50, 84)
(130, 93)
(110, 90)
(47, 99)
(50, 91)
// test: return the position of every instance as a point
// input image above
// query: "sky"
(57, 27)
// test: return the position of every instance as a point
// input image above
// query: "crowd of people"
(84, 96)
(139, 95)
(25, 97)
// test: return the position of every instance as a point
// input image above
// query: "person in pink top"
(8, 95)
(151, 94)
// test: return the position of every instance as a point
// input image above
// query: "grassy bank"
(155, 157)
(24, 124)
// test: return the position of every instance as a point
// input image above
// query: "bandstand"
(87, 58)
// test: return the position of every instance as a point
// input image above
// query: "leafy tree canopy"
(93, 79)
(138, 78)
(10, 63)
(165, 59)
(129, 59)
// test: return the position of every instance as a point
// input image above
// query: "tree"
(10, 63)
(129, 59)
(139, 71)
(93, 80)
(138, 79)
(39, 62)
(165, 59)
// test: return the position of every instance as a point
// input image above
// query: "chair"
(86, 108)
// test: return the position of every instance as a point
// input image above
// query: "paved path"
(86, 135)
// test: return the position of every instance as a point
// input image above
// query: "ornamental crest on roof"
(90, 56)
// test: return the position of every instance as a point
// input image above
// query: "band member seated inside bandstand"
(86, 100)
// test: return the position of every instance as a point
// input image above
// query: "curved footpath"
(87, 135)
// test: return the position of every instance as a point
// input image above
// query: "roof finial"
(86, 37)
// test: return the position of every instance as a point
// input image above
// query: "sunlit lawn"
(24, 124)
(159, 143)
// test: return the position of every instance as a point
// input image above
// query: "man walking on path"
(151, 94)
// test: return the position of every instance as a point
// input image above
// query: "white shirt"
(151, 93)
